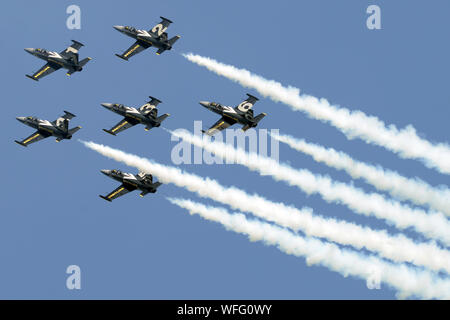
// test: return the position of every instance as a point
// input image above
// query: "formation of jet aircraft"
(68, 59)
(58, 128)
(156, 37)
(147, 114)
(130, 182)
(241, 114)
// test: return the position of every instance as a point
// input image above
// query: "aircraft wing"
(35, 137)
(220, 125)
(44, 71)
(161, 27)
(121, 126)
(133, 50)
(118, 192)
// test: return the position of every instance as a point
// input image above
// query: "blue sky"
(51, 215)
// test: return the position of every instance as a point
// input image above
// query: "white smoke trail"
(407, 281)
(433, 225)
(414, 190)
(397, 248)
(404, 142)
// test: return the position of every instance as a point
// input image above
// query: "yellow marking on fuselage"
(114, 193)
(229, 117)
(129, 52)
(31, 138)
(42, 71)
(120, 126)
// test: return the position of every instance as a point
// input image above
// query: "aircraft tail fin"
(173, 40)
(76, 44)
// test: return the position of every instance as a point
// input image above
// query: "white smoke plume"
(354, 124)
(407, 281)
(433, 225)
(414, 190)
(397, 248)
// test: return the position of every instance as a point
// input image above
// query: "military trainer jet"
(130, 182)
(67, 59)
(156, 37)
(242, 114)
(147, 115)
(58, 128)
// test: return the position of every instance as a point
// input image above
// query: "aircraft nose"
(119, 28)
(106, 172)
(204, 103)
(107, 105)
(21, 119)
(29, 50)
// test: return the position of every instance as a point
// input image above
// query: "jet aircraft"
(156, 37)
(68, 59)
(242, 114)
(58, 128)
(147, 115)
(130, 182)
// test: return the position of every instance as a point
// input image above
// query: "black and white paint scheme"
(68, 59)
(242, 114)
(58, 128)
(130, 182)
(147, 115)
(156, 37)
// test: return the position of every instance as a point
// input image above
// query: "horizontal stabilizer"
(156, 185)
(173, 40)
(73, 130)
(84, 61)
(259, 117)
(163, 117)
